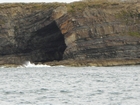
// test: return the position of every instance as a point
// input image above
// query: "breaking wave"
(29, 64)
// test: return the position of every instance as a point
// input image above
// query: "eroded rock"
(35, 33)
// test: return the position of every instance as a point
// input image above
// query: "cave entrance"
(47, 44)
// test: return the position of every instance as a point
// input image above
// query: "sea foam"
(29, 64)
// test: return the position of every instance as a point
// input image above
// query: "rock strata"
(54, 32)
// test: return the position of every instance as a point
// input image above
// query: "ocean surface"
(45, 85)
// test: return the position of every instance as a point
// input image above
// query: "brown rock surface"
(77, 31)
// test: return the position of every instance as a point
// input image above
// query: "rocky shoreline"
(85, 63)
(96, 63)
(75, 34)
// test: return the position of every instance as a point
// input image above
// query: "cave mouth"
(47, 44)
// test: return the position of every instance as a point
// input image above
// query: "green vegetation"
(8, 5)
(124, 14)
(134, 33)
(30, 5)
(116, 1)
(81, 5)
(72, 7)
(2, 22)
(41, 6)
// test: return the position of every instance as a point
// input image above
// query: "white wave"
(59, 66)
(29, 64)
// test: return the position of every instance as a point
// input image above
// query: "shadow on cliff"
(45, 44)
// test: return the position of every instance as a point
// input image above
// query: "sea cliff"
(79, 33)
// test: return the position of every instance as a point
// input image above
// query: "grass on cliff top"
(71, 6)
(80, 6)
(30, 5)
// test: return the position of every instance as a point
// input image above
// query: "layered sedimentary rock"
(29, 32)
(31, 35)
(100, 33)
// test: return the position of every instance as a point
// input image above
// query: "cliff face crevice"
(32, 32)
(33, 37)
(45, 44)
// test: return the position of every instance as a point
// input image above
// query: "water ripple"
(70, 86)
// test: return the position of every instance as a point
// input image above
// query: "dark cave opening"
(47, 44)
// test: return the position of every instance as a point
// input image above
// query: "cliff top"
(72, 7)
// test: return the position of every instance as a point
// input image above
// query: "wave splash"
(29, 64)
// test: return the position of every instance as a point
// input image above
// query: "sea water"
(46, 85)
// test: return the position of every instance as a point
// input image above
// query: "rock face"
(100, 33)
(31, 36)
(30, 32)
